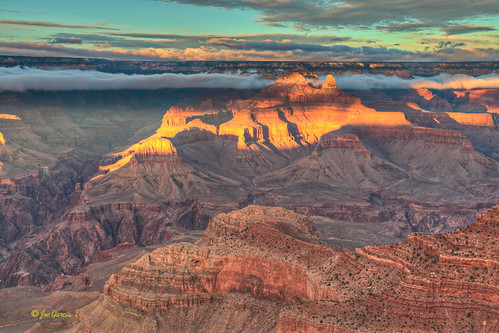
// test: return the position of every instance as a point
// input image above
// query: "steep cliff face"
(47, 150)
(37, 181)
(266, 270)
(470, 112)
(472, 119)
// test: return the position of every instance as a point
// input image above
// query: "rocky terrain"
(408, 160)
(296, 207)
(49, 146)
(268, 69)
(264, 269)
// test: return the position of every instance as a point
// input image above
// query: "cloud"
(200, 54)
(266, 53)
(179, 41)
(55, 25)
(445, 45)
(318, 38)
(9, 11)
(23, 79)
(155, 36)
(350, 13)
(405, 27)
(275, 25)
(285, 45)
(114, 41)
(466, 29)
(324, 52)
(68, 40)
(440, 82)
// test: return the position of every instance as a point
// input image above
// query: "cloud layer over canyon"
(23, 79)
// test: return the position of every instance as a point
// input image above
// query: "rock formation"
(314, 149)
(265, 269)
(317, 150)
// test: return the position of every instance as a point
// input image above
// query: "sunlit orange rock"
(425, 93)
(175, 121)
(153, 146)
(9, 116)
(472, 119)
(244, 127)
(286, 115)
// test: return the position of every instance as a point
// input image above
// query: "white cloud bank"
(22, 79)
(439, 82)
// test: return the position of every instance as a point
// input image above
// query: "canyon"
(75, 184)
(264, 269)
(282, 209)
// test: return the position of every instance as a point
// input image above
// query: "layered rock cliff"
(48, 147)
(264, 269)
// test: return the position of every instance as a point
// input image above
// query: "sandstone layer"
(264, 269)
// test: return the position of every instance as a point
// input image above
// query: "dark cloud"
(352, 13)
(155, 36)
(444, 45)
(243, 44)
(465, 29)
(409, 26)
(68, 40)
(115, 41)
(22, 79)
(53, 24)
(187, 41)
(241, 50)
(43, 49)
(275, 25)
(277, 36)
(333, 50)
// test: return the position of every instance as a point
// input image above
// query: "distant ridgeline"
(269, 69)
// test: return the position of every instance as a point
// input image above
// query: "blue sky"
(350, 30)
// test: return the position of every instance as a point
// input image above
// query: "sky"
(302, 30)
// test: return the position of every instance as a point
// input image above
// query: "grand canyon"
(295, 207)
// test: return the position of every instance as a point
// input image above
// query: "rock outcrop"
(265, 269)
(472, 119)
(284, 116)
